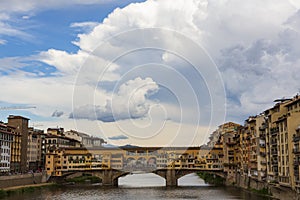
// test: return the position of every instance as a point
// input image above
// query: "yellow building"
(272, 139)
(296, 160)
(287, 124)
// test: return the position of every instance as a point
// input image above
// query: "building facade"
(6, 139)
(85, 139)
(34, 150)
(20, 142)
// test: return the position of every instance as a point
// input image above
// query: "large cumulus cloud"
(253, 51)
(258, 73)
(129, 102)
(254, 43)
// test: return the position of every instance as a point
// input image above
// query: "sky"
(152, 73)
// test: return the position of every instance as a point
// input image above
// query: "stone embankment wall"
(24, 179)
(276, 191)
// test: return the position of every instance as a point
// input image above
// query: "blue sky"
(48, 28)
(51, 28)
(147, 72)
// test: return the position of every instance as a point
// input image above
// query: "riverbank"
(262, 188)
(22, 179)
(256, 188)
(211, 179)
(276, 191)
(4, 192)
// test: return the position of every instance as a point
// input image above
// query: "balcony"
(274, 152)
(274, 162)
(284, 180)
(274, 142)
(297, 182)
(297, 163)
(262, 128)
(231, 143)
(263, 162)
(262, 136)
(274, 131)
(262, 145)
(296, 151)
(296, 137)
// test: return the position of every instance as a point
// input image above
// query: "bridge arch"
(191, 179)
(151, 162)
(130, 162)
(140, 179)
(141, 162)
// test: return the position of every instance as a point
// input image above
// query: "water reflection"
(191, 180)
(141, 180)
(153, 180)
(141, 186)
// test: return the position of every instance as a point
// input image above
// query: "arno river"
(141, 186)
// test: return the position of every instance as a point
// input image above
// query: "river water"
(141, 186)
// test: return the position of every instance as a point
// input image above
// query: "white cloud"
(64, 62)
(47, 94)
(261, 72)
(10, 64)
(129, 101)
(2, 42)
(84, 26)
(255, 44)
(26, 17)
(8, 30)
(10, 9)
(33, 5)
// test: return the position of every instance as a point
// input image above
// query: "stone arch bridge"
(109, 164)
(110, 177)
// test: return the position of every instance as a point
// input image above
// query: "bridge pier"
(108, 178)
(169, 175)
(171, 179)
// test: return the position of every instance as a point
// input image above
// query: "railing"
(262, 128)
(285, 180)
(275, 163)
(263, 162)
(231, 143)
(297, 182)
(273, 142)
(296, 138)
(262, 136)
(296, 150)
(274, 131)
(274, 152)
